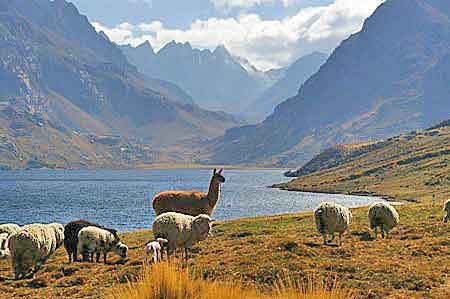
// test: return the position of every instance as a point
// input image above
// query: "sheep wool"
(31, 246)
(447, 211)
(97, 240)
(332, 218)
(9, 228)
(4, 251)
(182, 231)
(384, 216)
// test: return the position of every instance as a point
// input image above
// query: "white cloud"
(266, 43)
(227, 4)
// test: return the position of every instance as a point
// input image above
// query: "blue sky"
(269, 33)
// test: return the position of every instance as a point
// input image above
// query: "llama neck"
(213, 193)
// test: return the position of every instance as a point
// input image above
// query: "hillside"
(409, 166)
(294, 77)
(256, 251)
(56, 68)
(386, 79)
(215, 79)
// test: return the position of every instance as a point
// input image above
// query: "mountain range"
(68, 95)
(216, 79)
(389, 78)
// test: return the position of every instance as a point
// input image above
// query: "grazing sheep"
(384, 216)
(182, 231)
(32, 245)
(190, 202)
(97, 240)
(156, 249)
(4, 251)
(71, 231)
(332, 218)
(9, 228)
(447, 210)
(6, 230)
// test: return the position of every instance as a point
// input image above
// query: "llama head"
(218, 176)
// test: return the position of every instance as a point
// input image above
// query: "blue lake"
(122, 199)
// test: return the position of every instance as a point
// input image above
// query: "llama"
(190, 202)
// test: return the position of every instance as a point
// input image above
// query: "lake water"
(122, 199)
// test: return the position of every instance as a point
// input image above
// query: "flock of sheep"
(183, 219)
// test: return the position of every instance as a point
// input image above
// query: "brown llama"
(191, 203)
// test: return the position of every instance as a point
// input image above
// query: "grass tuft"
(168, 281)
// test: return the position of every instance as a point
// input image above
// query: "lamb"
(156, 249)
(4, 251)
(71, 231)
(182, 231)
(447, 210)
(97, 240)
(332, 218)
(384, 216)
(9, 228)
(32, 245)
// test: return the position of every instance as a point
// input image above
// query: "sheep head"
(121, 250)
(59, 233)
(202, 226)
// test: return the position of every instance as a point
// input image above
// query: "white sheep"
(96, 240)
(156, 249)
(9, 228)
(447, 211)
(182, 231)
(384, 216)
(6, 230)
(4, 251)
(332, 218)
(32, 245)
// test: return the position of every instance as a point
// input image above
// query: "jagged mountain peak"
(145, 46)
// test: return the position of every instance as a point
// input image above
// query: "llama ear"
(215, 171)
(220, 171)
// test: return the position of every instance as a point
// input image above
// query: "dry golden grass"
(413, 263)
(167, 281)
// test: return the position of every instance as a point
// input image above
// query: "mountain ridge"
(216, 79)
(55, 68)
(371, 87)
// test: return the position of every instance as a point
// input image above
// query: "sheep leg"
(97, 256)
(105, 257)
(155, 256)
(325, 241)
(92, 257)
(186, 254)
(340, 240)
(383, 234)
(332, 238)
(376, 232)
(75, 254)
